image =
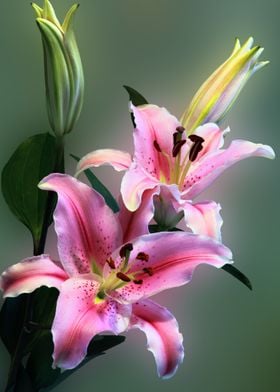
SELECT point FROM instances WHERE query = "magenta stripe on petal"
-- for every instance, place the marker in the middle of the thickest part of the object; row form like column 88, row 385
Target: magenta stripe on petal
column 30, row 274
column 172, row 259
column 87, row 229
column 163, row 337
column 78, row 319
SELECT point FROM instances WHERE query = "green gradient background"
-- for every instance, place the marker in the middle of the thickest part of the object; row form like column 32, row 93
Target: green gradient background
column 165, row 49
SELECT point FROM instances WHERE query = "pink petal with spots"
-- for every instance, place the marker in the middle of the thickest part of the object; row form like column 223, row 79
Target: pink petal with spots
column 134, row 183
column 86, row 227
column 120, row 160
column 206, row 170
column 163, row 337
column 30, row 274
column 78, row 320
column 153, row 124
column 213, row 138
column 136, row 223
column 203, row 218
column 173, row 258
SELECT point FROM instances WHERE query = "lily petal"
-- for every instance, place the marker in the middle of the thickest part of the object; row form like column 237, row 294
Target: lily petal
column 153, row 124
column 136, row 223
column 205, row 171
column 120, row 160
column 30, row 274
column 172, row 259
column 213, row 138
column 163, row 336
column 87, row 229
column 203, row 218
column 134, row 183
column 78, row 320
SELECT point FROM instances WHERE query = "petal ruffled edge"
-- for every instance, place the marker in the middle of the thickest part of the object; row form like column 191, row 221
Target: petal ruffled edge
column 163, row 337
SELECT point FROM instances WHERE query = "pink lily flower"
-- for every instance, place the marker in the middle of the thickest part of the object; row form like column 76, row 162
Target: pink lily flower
column 109, row 267
column 164, row 157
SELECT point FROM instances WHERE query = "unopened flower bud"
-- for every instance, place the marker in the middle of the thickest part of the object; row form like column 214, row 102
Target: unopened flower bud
column 216, row 95
column 64, row 76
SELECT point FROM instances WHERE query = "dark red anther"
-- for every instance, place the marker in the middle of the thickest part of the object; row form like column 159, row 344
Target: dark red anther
column 176, row 138
column 180, row 129
column 176, row 149
column 142, row 256
column 123, row 277
column 127, row 248
column 138, row 281
column 157, row 146
column 148, row 271
column 196, row 147
column 111, row 263
column 196, row 139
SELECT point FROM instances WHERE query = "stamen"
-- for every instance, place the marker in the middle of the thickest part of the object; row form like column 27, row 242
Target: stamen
column 123, row 277
column 126, row 249
column 196, row 147
column 138, row 281
column 177, row 136
column 157, row 146
column 148, row 271
column 177, row 147
column 196, row 139
column 180, row 129
column 142, row 256
column 111, row 263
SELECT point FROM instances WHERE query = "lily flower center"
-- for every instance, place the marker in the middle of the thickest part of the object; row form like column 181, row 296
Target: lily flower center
column 179, row 164
column 120, row 276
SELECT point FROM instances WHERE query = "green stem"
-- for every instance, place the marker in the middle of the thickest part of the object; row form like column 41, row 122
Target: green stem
column 38, row 248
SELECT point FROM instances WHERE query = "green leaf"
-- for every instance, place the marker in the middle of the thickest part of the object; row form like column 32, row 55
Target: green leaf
column 136, row 98
column 33, row 159
column 238, row 275
column 23, row 382
column 100, row 188
column 12, row 316
column 39, row 365
column 157, row 228
column 14, row 320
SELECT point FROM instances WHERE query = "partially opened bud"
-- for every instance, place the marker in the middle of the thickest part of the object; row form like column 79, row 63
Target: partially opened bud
column 64, row 76
column 216, row 95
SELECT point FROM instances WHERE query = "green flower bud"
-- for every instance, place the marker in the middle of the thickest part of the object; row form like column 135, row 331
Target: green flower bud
column 64, row 78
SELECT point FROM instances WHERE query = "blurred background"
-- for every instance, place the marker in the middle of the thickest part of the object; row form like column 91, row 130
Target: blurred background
column 166, row 49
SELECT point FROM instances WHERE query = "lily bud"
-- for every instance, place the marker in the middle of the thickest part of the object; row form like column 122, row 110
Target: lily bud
column 216, row 95
column 64, row 76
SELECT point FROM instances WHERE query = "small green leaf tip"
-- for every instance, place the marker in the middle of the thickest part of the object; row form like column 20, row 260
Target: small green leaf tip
column 135, row 97
column 238, row 275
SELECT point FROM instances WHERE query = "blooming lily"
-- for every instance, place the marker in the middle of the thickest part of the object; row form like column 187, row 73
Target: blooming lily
column 165, row 158
column 109, row 267
column 217, row 94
